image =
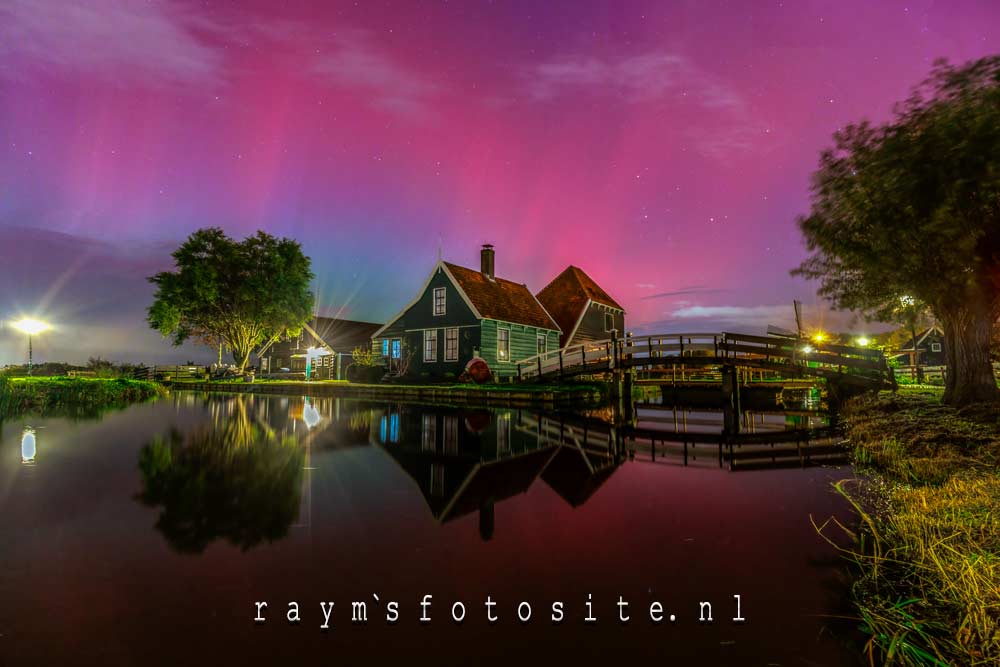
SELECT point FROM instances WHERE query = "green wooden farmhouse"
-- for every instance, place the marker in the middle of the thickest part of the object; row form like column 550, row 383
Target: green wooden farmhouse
column 460, row 314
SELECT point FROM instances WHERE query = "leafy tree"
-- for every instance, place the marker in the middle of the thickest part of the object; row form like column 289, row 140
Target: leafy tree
column 911, row 208
column 245, row 294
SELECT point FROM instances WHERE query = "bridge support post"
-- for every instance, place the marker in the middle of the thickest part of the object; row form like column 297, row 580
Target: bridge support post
column 731, row 396
column 621, row 396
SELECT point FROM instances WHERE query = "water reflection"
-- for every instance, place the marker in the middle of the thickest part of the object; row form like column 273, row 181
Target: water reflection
column 407, row 500
column 28, row 448
column 245, row 476
column 238, row 479
column 468, row 461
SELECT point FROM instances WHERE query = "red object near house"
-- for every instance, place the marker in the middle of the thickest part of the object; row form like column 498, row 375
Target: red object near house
column 478, row 370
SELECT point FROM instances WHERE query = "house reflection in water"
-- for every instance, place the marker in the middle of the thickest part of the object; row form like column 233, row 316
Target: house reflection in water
column 467, row 460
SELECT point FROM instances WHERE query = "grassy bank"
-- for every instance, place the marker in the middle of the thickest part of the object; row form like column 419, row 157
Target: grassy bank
column 928, row 549
column 70, row 396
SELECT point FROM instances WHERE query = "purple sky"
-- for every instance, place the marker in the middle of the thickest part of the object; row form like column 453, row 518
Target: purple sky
column 663, row 147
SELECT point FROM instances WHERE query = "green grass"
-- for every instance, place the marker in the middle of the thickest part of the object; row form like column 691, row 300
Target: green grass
column 78, row 397
column 928, row 549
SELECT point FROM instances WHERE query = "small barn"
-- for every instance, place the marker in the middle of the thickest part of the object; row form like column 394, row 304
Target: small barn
column 929, row 349
column 324, row 346
column 581, row 308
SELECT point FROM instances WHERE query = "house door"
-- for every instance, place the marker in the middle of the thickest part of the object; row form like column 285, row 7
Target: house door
column 395, row 354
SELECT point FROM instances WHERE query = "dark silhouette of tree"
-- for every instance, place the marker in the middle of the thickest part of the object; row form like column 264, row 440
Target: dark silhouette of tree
column 239, row 481
column 911, row 208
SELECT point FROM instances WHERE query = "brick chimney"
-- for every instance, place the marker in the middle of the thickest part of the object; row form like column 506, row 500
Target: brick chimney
column 486, row 256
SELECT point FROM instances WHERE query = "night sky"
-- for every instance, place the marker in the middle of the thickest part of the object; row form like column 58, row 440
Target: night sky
column 664, row 147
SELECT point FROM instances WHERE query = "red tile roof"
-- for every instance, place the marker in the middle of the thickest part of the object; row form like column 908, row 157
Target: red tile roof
column 500, row 299
column 566, row 297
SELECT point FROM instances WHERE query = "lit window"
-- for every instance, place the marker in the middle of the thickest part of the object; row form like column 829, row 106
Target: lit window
column 503, row 344
column 431, row 345
column 451, row 344
column 541, row 344
column 397, row 349
column 385, row 347
column 503, row 434
column 935, row 347
column 439, row 296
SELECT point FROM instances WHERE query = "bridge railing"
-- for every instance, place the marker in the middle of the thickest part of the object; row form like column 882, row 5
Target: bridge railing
column 639, row 348
column 839, row 358
column 654, row 351
column 595, row 355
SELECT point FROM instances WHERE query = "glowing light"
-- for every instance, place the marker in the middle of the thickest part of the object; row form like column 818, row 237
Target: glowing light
column 862, row 341
column 808, row 349
column 310, row 415
column 28, row 448
column 31, row 326
column 819, row 337
column 907, row 300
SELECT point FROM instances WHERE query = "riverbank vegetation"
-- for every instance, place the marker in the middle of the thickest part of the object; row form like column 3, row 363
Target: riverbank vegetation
column 928, row 547
column 70, row 396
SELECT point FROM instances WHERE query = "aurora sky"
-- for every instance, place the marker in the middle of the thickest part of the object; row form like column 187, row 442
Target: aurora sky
column 664, row 147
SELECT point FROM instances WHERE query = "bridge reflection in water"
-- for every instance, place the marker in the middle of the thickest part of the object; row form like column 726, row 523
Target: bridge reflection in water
column 465, row 460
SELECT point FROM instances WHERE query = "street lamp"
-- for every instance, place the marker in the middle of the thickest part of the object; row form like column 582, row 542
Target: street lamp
column 30, row 327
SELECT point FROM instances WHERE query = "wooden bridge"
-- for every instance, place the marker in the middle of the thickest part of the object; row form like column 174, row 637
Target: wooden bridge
column 707, row 354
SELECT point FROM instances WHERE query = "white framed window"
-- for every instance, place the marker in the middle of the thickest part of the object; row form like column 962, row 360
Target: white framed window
column 541, row 344
column 385, row 347
column 609, row 321
column 437, row 480
column 503, row 344
column 451, row 435
column 935, row 347
column 439, row 300
column 431, row 345
column 451, row 344
column 428, row 439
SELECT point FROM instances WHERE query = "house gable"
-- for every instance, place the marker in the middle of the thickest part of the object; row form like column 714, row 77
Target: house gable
column 579, row 305
column 418, row 313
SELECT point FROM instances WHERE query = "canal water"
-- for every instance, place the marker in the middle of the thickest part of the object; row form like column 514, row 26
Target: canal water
column 149, row 535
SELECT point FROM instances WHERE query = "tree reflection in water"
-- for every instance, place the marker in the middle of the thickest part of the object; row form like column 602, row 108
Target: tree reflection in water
column 237, row 479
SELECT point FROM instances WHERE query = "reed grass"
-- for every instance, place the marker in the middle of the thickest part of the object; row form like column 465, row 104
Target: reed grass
column 70, row 396
column 927, row 550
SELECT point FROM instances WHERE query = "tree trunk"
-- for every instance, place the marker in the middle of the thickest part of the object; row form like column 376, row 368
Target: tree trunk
column 969, row 377
column 241, row 356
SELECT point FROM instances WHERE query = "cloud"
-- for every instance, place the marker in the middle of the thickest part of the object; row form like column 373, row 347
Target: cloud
column 124, row 43
column 684, row 291
column 749, row 315
column 357, row 63
column 640, row 78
